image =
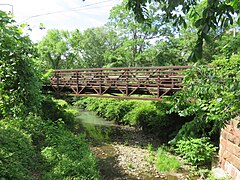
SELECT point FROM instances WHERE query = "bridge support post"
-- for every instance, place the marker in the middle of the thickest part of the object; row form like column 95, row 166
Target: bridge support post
column 77, row 83
column 100, row 83
column 158, row 81
column 127, row 81
column 58, row 86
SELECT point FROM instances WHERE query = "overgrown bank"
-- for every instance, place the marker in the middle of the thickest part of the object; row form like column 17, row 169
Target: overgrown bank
column 150, row 116
column 35, row 131
column 37, row 148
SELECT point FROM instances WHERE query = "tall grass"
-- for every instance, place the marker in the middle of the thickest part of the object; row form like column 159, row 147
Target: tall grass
column 165, row 163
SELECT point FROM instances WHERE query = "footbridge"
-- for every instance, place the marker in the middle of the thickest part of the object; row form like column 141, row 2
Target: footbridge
column 147, row 83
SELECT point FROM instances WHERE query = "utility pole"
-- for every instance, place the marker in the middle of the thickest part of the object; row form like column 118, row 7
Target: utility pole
column 8, row 5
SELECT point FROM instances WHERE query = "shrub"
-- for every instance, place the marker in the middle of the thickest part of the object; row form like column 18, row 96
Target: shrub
column 142, row 115
column 81, row 102
column 17, row 156
column 153, row 117
column 54, row 109
column 116, row 110
column 165, row 163
column 32, row 125
column 98, row 105
column 198, row 151
column 68, row 155
column 59, row 153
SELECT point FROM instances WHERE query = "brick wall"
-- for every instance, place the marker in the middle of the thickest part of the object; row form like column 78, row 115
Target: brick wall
column 229, row 152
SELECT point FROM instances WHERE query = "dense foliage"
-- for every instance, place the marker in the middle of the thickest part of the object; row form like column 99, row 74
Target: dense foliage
column 211, row 94
column 19, row 80
column 68, row 156
column 45, row 148
column 198, row 151
column 36, row 142
column 214, row 15
column 17, row 155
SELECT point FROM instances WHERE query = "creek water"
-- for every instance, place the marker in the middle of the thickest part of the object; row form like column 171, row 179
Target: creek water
column 97, row 129
column 87, row 117
column 103, row 136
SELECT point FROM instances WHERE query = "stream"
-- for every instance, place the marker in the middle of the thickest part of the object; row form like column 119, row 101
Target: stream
column 121, row 151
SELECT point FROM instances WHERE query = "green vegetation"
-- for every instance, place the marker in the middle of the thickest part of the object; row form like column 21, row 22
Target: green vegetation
column 36, row 141
column 151, row 117
column 212, row 97
column 67, row 155
column 17, row 155
column 55, row 109
column 151, row 154
column 44, row 148
column 196, row 151
column 206, row 17
column 19, row 78
column 37, row 131
column 166, row 163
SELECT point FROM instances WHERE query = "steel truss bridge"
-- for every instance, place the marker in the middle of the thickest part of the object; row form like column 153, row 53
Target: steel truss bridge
column 146, row 83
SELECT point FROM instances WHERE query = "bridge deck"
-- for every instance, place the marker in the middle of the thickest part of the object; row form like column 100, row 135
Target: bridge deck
column 118, row 82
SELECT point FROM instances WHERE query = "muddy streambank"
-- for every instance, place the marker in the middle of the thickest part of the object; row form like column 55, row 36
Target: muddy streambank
column 123, row 152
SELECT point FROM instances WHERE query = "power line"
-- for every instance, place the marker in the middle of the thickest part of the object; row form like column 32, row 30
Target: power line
column 71, row 9
column 8, row 5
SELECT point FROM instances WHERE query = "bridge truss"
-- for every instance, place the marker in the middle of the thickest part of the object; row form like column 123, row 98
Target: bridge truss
column 152, row 82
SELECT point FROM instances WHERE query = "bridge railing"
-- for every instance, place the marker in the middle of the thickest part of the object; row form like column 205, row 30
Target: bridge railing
column 156, row 81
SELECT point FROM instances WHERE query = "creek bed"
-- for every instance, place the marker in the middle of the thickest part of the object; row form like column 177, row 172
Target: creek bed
column 121, row 151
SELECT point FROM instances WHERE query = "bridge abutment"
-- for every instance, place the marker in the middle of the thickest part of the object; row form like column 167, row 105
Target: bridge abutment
column 229, row 152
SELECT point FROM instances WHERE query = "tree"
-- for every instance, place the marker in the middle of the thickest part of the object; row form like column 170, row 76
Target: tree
column 19, row 80
column 137, row 37
column 211, row 96
column 92, row 47
column 215, row 14
column 54, row 49
column 229, row 43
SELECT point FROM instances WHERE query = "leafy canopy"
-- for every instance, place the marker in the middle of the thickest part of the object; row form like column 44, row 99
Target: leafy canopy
column 211, row 95
column 215, row 14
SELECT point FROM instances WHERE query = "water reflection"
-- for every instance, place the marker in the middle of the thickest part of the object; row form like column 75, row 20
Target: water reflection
column 96, row 128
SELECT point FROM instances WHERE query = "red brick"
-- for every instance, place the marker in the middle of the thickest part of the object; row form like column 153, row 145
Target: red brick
column 236, row 150
column 229, row 128
column 223, row 142
column 229, row 152
column 230, row 137
column 236, row 132
column 232, row 148
column 235, row 161
column 227, row 155
column 222, row 162
column 234, row 123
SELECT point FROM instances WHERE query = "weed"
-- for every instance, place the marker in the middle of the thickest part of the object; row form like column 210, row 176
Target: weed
column 151, row 153
column 130, row 165
column 165, row 162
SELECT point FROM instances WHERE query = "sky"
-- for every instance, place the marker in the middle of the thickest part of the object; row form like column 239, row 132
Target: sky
column 59, row 14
